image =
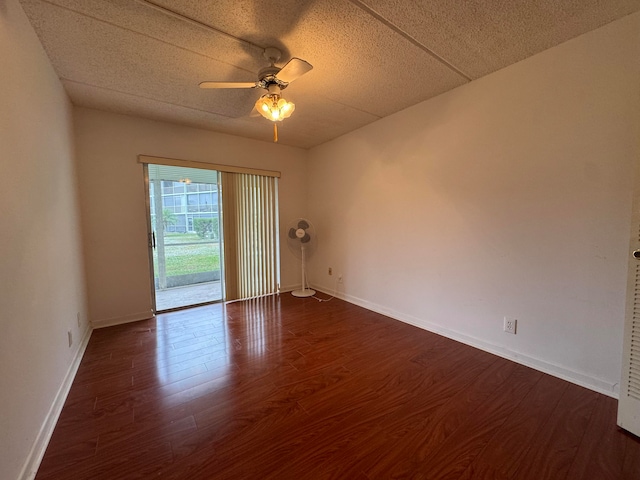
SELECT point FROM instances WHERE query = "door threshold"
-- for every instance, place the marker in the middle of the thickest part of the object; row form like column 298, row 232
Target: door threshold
column 185, row 307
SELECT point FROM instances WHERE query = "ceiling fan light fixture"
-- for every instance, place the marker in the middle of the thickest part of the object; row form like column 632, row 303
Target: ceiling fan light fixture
column 274, row 107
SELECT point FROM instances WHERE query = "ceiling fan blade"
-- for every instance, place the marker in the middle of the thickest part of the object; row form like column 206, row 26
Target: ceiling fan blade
column 293, row 69
column 303, row 224
column 306, row 238
column 292, row 233
column 228, row 85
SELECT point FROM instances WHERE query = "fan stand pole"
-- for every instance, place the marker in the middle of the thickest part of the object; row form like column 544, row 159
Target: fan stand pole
column 304, row 292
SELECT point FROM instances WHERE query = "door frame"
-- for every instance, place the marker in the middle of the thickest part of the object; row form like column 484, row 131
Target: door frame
column 151, row 240
column 152, row 243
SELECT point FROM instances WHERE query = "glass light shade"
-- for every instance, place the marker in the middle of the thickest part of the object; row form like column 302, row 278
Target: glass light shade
column 273, row 107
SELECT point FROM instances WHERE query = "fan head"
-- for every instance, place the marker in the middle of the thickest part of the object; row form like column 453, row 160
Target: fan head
column 301, row 235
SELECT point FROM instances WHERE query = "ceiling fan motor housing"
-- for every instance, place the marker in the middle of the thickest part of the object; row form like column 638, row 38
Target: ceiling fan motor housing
column 267, row 77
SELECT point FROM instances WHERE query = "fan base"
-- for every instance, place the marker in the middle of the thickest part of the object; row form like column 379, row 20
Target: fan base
column 307, row 292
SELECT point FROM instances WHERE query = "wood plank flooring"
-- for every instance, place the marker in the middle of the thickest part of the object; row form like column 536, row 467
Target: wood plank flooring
column 291, row 388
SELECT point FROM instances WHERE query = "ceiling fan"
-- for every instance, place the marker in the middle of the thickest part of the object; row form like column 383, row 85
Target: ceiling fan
column 271, row 105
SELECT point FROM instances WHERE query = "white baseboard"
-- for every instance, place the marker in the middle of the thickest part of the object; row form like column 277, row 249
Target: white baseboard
column 578, row 378
column 39, row 446
column 110, row 322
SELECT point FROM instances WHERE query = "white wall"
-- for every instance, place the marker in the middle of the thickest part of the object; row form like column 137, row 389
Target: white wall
column 41, row 272
column 113, row 199
column 508, row 196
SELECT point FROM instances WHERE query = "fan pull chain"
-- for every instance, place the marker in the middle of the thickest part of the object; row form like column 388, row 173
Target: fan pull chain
column 275, row 133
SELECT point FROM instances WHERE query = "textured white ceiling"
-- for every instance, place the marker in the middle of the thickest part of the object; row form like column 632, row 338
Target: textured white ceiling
column 371, row 58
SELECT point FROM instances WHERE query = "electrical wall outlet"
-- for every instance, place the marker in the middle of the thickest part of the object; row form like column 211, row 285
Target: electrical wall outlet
column 70, row 337
column 510, row 325
column 330, row 271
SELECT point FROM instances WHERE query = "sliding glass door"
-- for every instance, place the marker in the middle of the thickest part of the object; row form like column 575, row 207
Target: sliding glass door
column 185, row 236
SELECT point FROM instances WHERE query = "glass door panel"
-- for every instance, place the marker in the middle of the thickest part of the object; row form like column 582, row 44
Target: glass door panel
column 185, row 231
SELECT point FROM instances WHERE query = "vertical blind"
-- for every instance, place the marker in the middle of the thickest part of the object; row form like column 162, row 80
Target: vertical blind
column 250, row 230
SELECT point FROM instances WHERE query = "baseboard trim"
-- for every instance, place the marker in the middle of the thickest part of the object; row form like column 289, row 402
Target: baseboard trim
column 41, row 442
column 578, row 378
column 110, row 322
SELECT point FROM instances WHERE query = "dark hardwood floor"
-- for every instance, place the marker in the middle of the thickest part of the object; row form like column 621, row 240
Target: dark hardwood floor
column 290, row 388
